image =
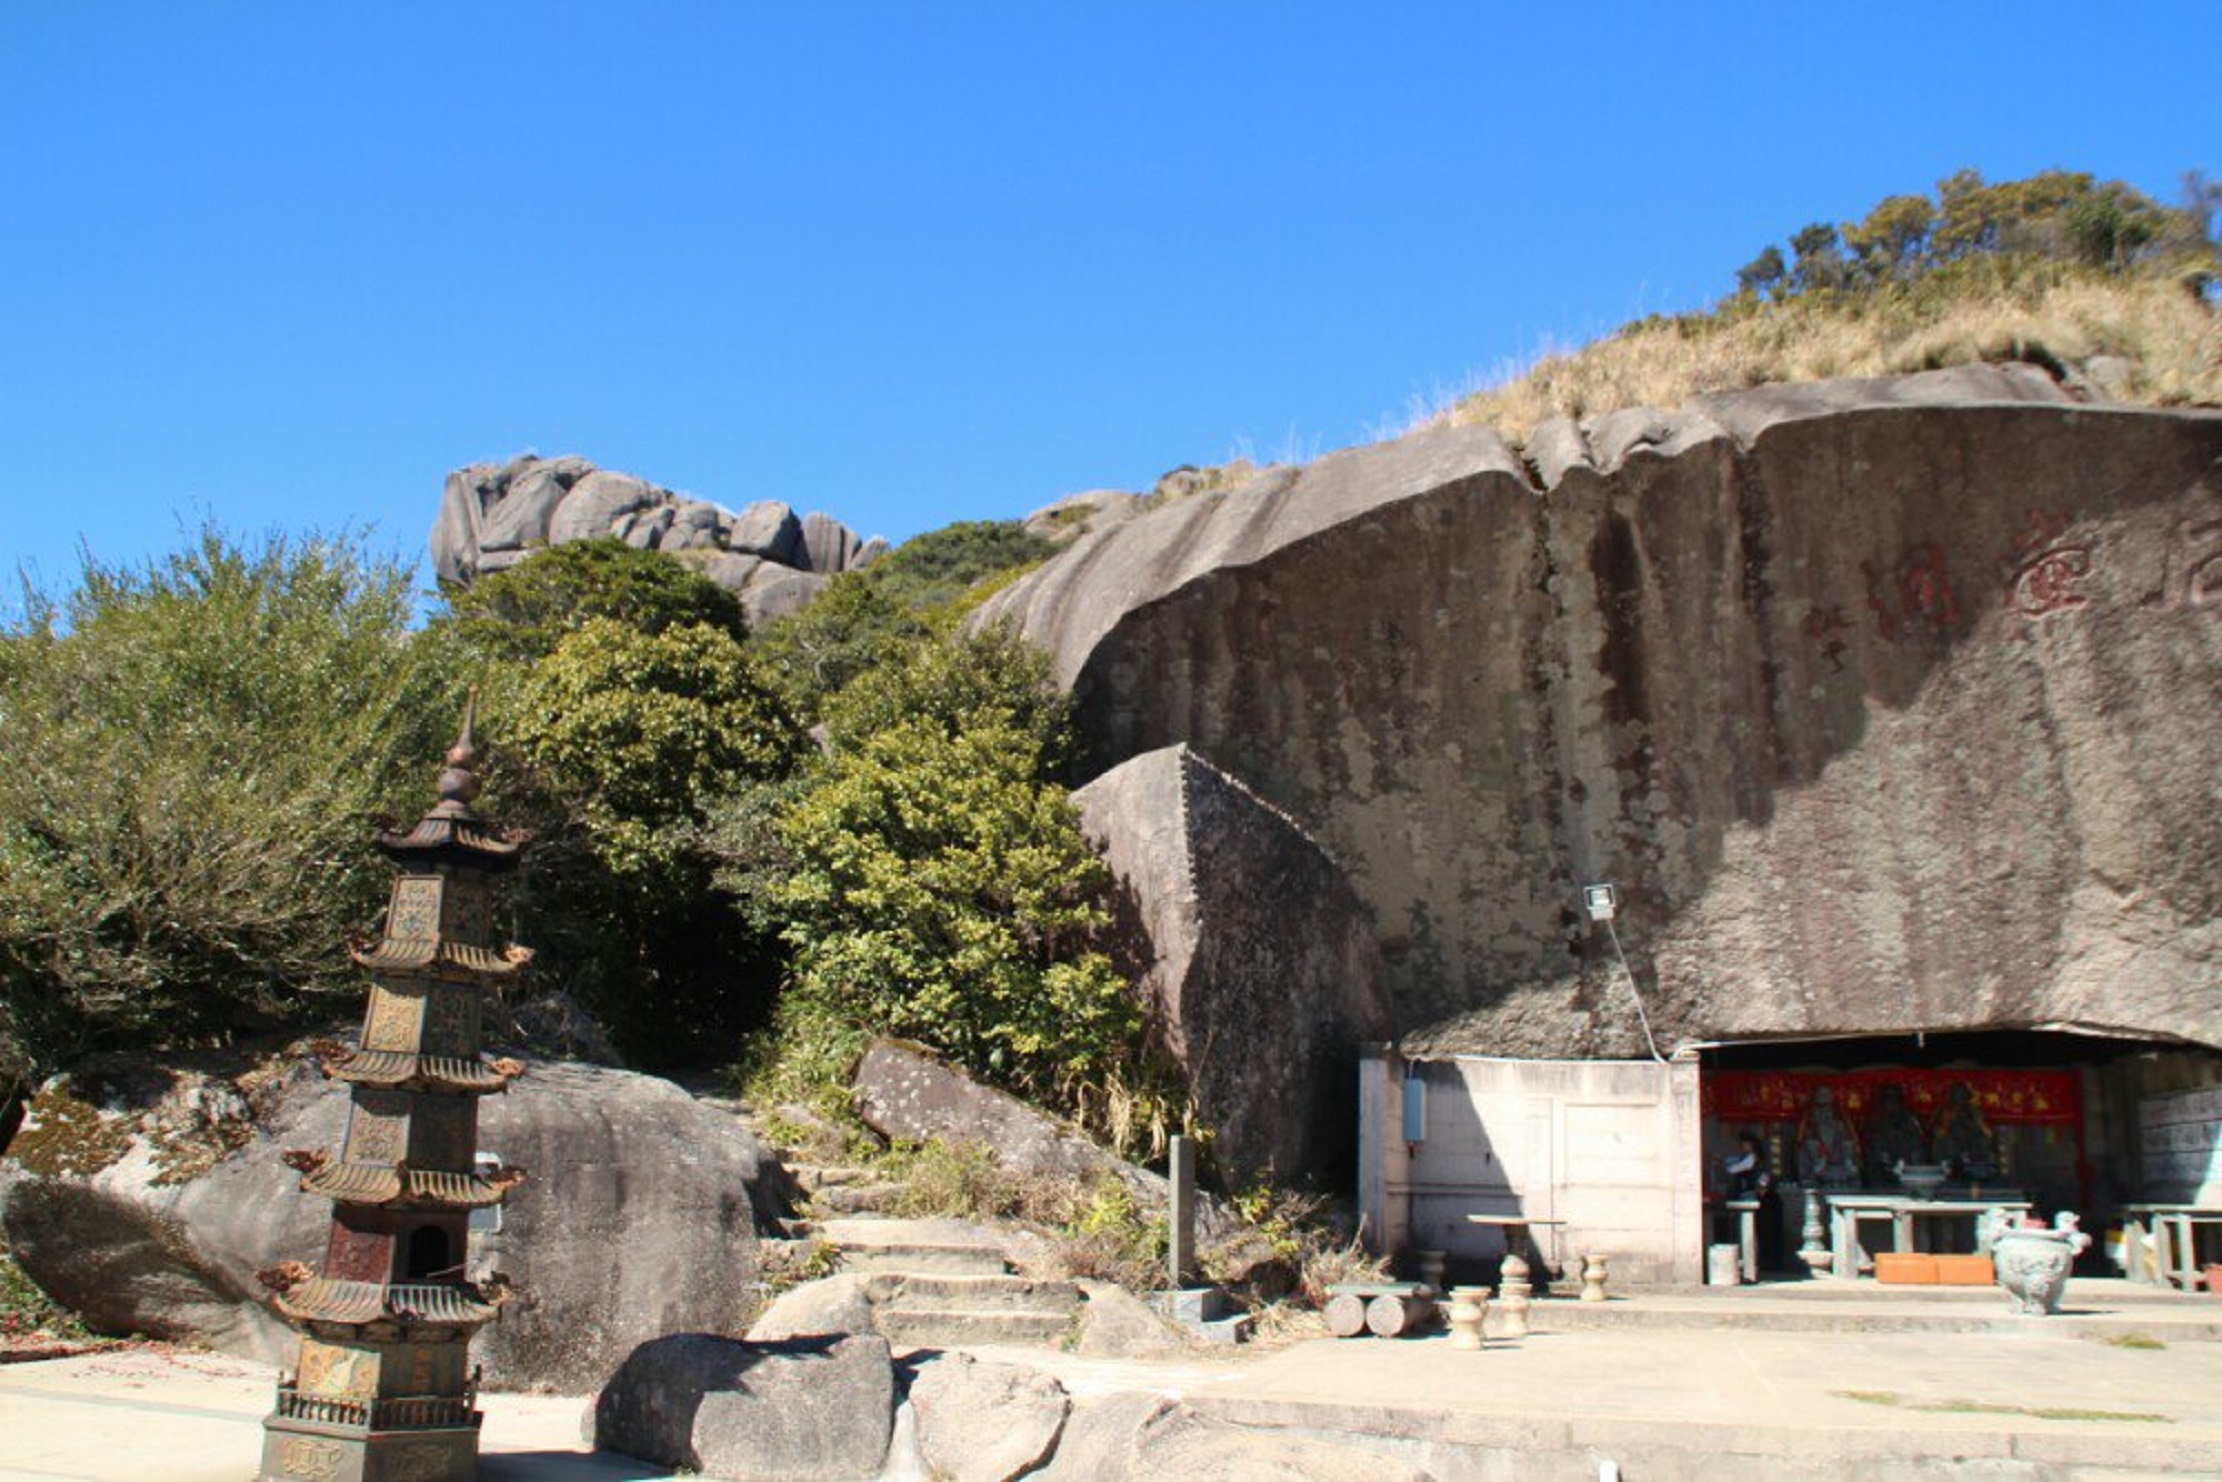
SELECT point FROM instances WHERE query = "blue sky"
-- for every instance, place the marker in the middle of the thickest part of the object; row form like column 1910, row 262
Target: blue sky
column 285, row 265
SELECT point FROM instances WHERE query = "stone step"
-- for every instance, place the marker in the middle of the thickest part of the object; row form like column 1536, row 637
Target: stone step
column 932, row 1327
column 845, row 1199
column 810, row 1177
column 940, row 1291
column 946, row 1247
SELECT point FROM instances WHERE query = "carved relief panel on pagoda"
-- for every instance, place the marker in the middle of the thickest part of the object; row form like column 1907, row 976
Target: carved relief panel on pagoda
column 361, row 1245
column 378, row 1127
column 395, row 1019
column 451, row 1021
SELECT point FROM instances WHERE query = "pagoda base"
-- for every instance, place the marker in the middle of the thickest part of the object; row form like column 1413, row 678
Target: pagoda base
column 312, row 1451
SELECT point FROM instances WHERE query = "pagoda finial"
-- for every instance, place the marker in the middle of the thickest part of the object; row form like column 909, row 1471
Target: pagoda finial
column 459, row 783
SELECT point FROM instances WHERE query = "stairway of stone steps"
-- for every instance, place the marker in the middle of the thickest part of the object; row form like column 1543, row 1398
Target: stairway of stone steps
column 933, row 1283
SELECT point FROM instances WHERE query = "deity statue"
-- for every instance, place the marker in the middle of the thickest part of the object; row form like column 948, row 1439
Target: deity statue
column 1893, row 1138
column 1828, row 1153
column 1963, row 1142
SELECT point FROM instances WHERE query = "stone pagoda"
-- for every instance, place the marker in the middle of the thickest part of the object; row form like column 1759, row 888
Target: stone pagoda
column 385, row 1388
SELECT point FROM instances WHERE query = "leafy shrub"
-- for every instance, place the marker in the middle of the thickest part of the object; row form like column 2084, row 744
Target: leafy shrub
column 626, row 742
column 935, row 569
column 936, row 886
column 521, row 614
column 199, row 748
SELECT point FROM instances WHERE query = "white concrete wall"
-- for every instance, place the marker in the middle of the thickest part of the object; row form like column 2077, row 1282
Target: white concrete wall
column 1609, row 1146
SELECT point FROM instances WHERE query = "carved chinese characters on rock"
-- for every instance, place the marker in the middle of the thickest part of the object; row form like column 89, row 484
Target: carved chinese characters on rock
column 310, row 1461
column 1916, row 593
column 2191, row 568
column 2044, row 575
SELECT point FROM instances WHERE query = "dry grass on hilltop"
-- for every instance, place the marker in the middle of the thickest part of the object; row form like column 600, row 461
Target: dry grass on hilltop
column 2157, row 343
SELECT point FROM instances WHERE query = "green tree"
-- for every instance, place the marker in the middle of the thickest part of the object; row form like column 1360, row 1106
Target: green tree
column 626, row 742
column 939, row 567
column 521, row 614
column 1820, row 258
column 198, row 751
column 1764, row 273
column 936, row 885
column 940, row 890
column 1890, row 240
column 968, row 679
column 851, row 628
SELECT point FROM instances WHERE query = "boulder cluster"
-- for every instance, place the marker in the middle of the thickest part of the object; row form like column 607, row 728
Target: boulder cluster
column 493, row 515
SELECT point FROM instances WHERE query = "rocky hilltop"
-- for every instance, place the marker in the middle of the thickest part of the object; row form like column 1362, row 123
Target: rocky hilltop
column 493, row 515
column 1887, row 705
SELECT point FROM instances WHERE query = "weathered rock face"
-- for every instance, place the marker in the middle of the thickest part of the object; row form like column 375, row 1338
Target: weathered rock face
column 985, row 1422
column 810, row 1410
column 636, row 1219
column 1887, row 705
column 493, row 515
column 1255, row 955
column 905, row 1094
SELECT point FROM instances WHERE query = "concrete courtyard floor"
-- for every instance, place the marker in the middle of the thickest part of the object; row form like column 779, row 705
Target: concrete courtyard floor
column 1645, row 1378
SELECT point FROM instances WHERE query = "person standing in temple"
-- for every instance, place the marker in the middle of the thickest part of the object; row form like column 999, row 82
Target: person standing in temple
column 1750, row 1177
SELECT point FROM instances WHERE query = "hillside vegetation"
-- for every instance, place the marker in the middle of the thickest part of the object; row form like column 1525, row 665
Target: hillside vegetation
column 2093, row 280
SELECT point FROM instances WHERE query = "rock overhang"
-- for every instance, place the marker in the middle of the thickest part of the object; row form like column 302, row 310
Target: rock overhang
column 1703, row 652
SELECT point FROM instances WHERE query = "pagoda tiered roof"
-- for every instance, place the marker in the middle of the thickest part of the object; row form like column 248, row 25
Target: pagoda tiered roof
column 399, row 1184
column 402, row 1070
column 328, row 1299
column 440, row 957
column 456, row 834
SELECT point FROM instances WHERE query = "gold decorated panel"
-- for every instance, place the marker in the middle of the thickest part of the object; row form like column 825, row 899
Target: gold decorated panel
column 394, row 1020
column 416, row 908
column 378, row 1128
column 336, row 1371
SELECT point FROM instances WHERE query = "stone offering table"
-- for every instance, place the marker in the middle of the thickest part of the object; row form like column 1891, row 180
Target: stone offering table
column 1848, row 1209
column 2173, row 1228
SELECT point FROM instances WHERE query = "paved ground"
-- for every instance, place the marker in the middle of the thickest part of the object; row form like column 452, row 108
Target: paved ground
column 2040, row 1392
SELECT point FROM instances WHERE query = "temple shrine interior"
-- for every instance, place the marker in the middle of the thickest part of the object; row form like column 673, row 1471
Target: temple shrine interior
column 2063, row 1121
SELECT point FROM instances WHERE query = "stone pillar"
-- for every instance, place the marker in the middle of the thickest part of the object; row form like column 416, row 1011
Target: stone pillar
column 1381, row 1153
column 1180, row 1240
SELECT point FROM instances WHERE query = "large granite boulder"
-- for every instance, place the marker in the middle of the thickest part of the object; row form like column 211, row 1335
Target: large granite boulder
column 1256, row 957
column 147, row 1199
column 808, row 1410
column 494, row 515
column 984, row 1422
column 1887, row 705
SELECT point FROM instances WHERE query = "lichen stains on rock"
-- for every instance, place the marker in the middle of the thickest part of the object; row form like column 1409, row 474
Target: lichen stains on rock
column 66, row 1136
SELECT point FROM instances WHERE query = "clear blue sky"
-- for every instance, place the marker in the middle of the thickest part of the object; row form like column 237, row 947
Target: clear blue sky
column 286, row 264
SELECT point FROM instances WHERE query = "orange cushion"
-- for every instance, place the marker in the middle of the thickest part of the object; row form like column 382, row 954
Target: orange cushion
column 1963, row 1270
column 1905, row 1268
